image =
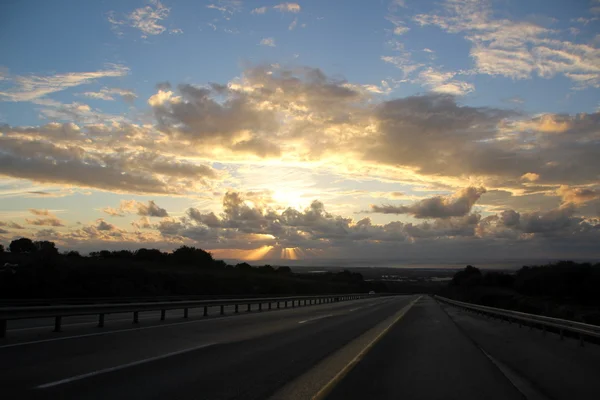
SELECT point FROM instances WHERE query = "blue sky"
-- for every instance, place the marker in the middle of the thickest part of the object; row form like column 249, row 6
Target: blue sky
column 413, row 124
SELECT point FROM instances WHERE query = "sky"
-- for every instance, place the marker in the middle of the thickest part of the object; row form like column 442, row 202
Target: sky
column 402, row 131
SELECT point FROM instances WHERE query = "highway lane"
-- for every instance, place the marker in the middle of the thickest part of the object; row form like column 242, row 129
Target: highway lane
column 247, row 356
column 425, row 356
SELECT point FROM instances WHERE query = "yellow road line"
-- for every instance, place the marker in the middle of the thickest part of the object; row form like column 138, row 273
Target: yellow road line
column 325, row 390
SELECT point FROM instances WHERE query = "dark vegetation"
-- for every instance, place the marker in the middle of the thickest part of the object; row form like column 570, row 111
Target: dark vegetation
column 566, row 290
column 37, row 270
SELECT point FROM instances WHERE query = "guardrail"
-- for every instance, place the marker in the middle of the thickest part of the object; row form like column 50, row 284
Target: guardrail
column 59, row 311
column 113, row 300
column 545, row 323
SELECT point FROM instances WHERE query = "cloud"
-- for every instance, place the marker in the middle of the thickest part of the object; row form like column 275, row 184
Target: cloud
column 148, row 20
column 457, row 205
column 443, row 82
column 11, row 225
column 267, row 42
column 293, row 24
column 113, row 212
column 98, row 156
column 51, row 221
column 108, row 94
column 287, row 7
column 151, row 210
column 514, row 49
column 44, row 213
column 142, row 223
column 147, row 210
column 227, row 7
column 32, row 87
column 105, row 226
column 259, row 10
column 401, row 30
column 577, row 196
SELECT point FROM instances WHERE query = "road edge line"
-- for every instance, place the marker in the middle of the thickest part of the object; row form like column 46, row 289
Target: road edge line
column 122, row 366
column 325, row 390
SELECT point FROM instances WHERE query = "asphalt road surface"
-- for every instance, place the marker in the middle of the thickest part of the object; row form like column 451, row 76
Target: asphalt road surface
column 247, row 356
column 378, row 348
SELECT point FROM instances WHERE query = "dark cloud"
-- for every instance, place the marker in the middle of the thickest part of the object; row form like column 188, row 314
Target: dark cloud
column 457, row 205
column 51, row 221
column 151, row 210
column 11, row 225
column 197, row 116
column 105, row 226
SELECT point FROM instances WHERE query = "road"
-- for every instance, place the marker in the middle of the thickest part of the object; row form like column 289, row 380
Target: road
column 376, row 348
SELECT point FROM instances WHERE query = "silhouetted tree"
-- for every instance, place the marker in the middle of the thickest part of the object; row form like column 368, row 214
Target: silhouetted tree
column 122, row 254
column 284, row 270
column 46, row 247
column 73, row 253
column 244, row 266
column 149, row 255
column 192, row 255
column 469, row 276
column 22, row 245
column 1, row 248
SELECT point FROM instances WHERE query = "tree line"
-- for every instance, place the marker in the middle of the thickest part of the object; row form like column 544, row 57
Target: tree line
column 565, row 289
column 37, row 269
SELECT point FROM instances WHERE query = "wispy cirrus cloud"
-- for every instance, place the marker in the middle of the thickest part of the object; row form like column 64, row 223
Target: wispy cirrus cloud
column 108, row 94
column 282, row 7
column 269, row 41
column 288, row 7
column 35, row 87
column 515, row 49
column 259, row 10
column 444, row 82
column 146, row 19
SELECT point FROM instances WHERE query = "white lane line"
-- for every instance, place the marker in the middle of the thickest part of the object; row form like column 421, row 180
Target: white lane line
column 316, row 318
column 122, row 366
column 354, row 309
column 109, row 332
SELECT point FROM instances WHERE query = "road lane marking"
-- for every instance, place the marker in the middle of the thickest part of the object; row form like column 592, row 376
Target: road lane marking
column 316, row 318
column 122, row 366
column 325, row 390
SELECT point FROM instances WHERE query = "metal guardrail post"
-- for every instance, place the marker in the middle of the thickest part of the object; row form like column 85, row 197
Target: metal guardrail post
column 162, row 314
column 293, row 301
column 205, row 311
column 237, row 308
column 136, row 317
column 185, row 312
column 249, row 307
column 285, row 304
column 278, row 305
column 269, row 305
column 222, row 309
column 259, row 306
column 100, row 320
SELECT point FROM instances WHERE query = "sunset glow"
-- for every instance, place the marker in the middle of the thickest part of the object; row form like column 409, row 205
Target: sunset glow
column 395, row 130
